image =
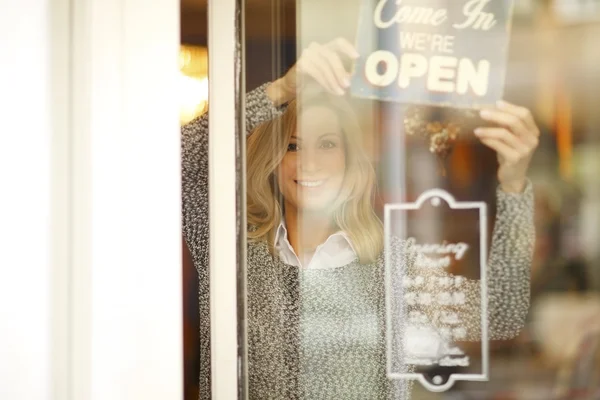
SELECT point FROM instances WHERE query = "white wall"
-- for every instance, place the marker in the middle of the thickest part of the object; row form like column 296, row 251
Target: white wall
column 127, row 67
column 90, row 235
column 25, row 135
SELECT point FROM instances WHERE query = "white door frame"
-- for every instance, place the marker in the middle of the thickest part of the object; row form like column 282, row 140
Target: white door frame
column 30, row 47
column 225, row 124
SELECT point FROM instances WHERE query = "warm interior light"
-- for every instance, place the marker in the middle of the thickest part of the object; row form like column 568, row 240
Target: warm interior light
column 193, row 82
column 193, row 95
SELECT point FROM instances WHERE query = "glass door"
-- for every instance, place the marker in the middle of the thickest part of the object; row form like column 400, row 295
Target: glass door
column 414, row 193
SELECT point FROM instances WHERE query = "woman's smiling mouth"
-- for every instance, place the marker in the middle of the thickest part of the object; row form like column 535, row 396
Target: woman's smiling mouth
column 310, row 184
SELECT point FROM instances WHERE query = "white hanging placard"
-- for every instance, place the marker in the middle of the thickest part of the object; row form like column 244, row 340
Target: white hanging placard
column 436, row 290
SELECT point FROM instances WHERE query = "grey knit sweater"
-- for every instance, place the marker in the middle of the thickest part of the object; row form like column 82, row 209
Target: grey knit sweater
column 320, row 334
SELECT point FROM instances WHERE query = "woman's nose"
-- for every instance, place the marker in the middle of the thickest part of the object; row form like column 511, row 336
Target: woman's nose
column 309, row 161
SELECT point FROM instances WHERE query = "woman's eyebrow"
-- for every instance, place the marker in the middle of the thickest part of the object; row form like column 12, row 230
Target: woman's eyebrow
column 330, row 133
column 294, row 137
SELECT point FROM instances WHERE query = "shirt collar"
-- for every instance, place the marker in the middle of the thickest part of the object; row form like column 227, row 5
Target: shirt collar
column 281, row 234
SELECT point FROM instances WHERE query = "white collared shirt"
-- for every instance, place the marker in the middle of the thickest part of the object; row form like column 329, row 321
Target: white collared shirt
column 335, row 252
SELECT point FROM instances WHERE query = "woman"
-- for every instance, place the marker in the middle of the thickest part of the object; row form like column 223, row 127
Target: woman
column 315, row 269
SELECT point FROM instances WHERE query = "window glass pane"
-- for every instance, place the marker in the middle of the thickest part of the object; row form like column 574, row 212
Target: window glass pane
column 401, row 243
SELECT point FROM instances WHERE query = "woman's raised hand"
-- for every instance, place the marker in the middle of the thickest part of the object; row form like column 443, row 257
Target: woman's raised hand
column 514, row 139
column 322, row 63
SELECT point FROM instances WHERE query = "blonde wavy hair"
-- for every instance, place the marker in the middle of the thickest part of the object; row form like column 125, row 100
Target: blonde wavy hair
column 352, row 211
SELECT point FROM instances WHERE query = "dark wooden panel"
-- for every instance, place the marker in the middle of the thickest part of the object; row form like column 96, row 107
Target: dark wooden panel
column 260, row 23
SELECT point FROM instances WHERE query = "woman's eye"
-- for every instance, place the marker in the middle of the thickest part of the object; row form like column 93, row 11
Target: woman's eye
column 292, row 147
column 328, row 144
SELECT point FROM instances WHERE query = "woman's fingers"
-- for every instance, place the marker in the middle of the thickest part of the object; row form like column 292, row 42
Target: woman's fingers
column 323, row 63
column 519, row 147
column 335, row 64
column 322, row 74
column 504, row 151
column 514, row 139
column 521, row 112
column 517, row 119
column 507, row 120
column 502, row 135
column 343, row 46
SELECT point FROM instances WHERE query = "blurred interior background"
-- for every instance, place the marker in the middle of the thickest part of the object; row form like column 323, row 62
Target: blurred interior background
column 553, row 69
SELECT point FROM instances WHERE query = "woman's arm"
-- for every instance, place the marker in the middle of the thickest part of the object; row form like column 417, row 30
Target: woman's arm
column 508, row 277
column 260, row 107
column 508, row 270
column 514, row 137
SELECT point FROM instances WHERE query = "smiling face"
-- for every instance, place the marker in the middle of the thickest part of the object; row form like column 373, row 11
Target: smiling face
column 312, row 171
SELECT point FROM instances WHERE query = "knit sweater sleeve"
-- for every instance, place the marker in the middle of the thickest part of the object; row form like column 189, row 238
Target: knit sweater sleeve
column 508, row 270
column 508, row 276
column 194, row 171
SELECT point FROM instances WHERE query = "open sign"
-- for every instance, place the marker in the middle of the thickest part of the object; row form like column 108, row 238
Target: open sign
column 437, row 52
